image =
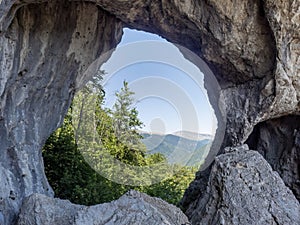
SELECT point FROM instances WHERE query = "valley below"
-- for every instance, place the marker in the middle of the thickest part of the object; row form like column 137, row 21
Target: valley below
column 183, row 147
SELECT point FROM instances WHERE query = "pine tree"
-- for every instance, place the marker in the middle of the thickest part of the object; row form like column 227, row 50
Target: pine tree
column 126, row 125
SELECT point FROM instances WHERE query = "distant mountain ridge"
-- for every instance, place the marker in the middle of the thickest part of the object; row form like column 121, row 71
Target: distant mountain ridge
column 186, row 148
column 193, row 135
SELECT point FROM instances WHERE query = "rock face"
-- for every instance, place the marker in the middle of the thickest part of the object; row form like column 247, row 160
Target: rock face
column 131, row 208
column 44, row 54
column 278, row 140
column 252, row 46
column 243, row 189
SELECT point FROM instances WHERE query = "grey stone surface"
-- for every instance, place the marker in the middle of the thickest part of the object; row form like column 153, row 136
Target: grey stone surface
column 132, row 208
column 278, row 141
column 243, row 189
column 43, row 57
column 252, row 46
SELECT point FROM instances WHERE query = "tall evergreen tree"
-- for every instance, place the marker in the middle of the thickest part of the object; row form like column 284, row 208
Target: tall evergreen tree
column 125, row 116
column 126, row 124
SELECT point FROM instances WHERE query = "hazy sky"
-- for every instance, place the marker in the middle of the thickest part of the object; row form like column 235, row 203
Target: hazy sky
column 169, row 90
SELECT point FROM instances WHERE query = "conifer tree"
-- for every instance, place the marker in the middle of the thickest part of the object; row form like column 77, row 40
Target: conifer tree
column 126, row 125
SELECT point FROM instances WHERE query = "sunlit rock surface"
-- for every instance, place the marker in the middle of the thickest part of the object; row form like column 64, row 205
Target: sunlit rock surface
column 243, row 189
column 252, row 46
column 43, row 58
column 131, row 208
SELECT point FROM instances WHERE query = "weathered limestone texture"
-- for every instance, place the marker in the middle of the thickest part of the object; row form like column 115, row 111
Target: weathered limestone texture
column 252, row 46
column 278, row 141
column 131, row 208
column 46, row 48
column 243, row 189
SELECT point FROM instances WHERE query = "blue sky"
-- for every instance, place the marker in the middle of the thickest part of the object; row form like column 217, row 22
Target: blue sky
column 169, row 90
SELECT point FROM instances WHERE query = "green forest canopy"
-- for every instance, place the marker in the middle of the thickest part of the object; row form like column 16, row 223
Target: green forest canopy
column 71, row 176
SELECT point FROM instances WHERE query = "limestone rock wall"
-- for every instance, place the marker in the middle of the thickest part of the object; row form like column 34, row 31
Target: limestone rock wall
column 284, row 18
column 131, row 208
column 278, row 141
column 252, row 46
column 243, row 189
column 44, row 52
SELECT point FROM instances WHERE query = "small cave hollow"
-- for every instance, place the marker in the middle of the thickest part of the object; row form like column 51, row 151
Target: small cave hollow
column 278, row 140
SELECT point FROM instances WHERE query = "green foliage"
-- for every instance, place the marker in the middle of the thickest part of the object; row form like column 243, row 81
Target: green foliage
column 172, row 189
column 72, row 178
column 117, row 129
column 68, row 173
column 126, row 122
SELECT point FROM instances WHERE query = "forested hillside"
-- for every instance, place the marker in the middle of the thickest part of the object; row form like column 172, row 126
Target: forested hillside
column 178, row 149
column 73, row 178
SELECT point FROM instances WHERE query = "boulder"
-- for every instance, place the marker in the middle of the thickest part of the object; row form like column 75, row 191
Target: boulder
column 132, row 208
column 243, row 189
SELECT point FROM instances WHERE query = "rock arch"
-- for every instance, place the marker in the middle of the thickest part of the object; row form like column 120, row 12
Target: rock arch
column 252, row 47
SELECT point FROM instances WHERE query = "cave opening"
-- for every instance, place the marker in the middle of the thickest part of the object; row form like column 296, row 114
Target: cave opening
column 170, row 109
column 169, row 92
column 278, row 141
column 48, row 46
